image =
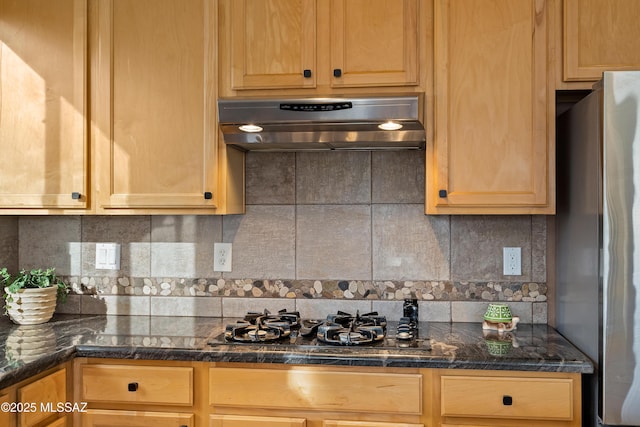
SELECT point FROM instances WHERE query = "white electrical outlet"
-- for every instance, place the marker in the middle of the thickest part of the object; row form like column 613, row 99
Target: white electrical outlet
column 107, row 256
column 512, row 261
column 222, row 257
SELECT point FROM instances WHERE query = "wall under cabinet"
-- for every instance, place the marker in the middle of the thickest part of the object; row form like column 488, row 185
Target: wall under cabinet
column 323, row 231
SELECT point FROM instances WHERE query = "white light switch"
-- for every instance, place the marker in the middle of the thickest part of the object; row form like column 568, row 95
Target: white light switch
column 107, row 256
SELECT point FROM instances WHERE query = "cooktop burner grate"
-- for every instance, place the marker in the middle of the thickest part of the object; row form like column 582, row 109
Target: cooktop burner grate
column 263, row 327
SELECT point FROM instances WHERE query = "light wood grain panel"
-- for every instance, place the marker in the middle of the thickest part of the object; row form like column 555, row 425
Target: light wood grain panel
column 43, row 125
column 60, row 422
column 272, row 43
column 7, row 418
column 156, row 106
column 493, row 148
column 155, row 384
column 319, row 390
column 250, row 421
column 374, row 42
column 600, row 36
column 50, row 389
column 332, row 423
column 483, row 397
column 107, row 418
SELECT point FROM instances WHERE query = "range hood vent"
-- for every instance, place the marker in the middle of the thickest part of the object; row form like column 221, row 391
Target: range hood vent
column 322, row 123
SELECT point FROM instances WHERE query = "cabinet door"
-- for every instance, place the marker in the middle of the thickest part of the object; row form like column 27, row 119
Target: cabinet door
column 374, row 42
column 108, row 418
column 43, row 131
column 155, row 110
column 600, row 36
column 272, row 43
column 49, row 390
column 7, row 418
column 493, row 144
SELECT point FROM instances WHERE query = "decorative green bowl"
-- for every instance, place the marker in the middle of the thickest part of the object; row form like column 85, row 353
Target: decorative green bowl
column 498, row 313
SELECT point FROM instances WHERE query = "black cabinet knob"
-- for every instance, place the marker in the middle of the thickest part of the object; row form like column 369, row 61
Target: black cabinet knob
column 208, row 195
column 507, row 400
column 132, row 387
column 442, row 194
column 337, row 72
column 75, row 195
column 306, row 74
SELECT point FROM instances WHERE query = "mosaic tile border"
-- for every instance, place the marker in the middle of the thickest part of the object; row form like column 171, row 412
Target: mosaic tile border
column 311, row 289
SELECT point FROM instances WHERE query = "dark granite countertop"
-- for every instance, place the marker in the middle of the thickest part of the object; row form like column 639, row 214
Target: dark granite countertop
column 27, row 350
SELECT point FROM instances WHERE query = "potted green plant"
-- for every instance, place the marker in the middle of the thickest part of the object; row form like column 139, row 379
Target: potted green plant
column 31, row 295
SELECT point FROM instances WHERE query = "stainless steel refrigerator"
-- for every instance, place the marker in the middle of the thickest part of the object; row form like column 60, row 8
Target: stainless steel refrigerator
column 598, row 243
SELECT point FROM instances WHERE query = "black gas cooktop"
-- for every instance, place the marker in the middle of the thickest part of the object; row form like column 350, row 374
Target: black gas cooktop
column 288, row 329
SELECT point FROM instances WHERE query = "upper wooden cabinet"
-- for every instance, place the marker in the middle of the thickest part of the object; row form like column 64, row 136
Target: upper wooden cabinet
column 155, row 106
column 156, row 141
column 43, row 109
column 308, row 44
column 598, row 36
column 493, row 148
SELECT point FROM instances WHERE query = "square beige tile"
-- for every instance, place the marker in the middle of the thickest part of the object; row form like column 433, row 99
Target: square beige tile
column 321, row 308
column 182, row 245
column 270, row 178
column 333, row 242
column 263, row 242
column 333, row 177
column 50, row 241
column 408, row 245
column 186, row 306
column 133, row 233
column 477, row 244
column 397, row 176
column 238, row 307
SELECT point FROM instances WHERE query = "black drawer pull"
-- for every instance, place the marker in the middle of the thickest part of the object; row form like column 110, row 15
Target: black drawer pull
column 442, row 194
column 306, row 74
column 132, row 386
column 337, row 72
column 75, row 195
column 208, row 195
column 507, row 400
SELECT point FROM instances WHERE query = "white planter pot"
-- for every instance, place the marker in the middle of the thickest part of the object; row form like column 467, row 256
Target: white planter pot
column 32, row 306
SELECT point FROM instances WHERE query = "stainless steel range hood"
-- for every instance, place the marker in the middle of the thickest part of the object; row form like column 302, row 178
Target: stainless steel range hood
column 322, row 123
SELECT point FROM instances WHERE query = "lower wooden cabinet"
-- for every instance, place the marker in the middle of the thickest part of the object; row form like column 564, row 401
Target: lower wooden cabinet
column 138, row 393
column 51, row 389
column 38, row 401
column 316, row 396
column 135, row 393
column 7, row 418
column 504, row 398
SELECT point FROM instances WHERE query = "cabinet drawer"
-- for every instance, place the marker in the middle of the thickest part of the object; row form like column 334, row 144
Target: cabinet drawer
column 313, row 389
column 51, row 389
column 245, row 421
column 107, row 418
column 332, row 423
column 507, row 397
column 137, row 384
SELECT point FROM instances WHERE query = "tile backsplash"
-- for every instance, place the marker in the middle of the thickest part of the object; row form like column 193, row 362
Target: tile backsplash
column 321, row 230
